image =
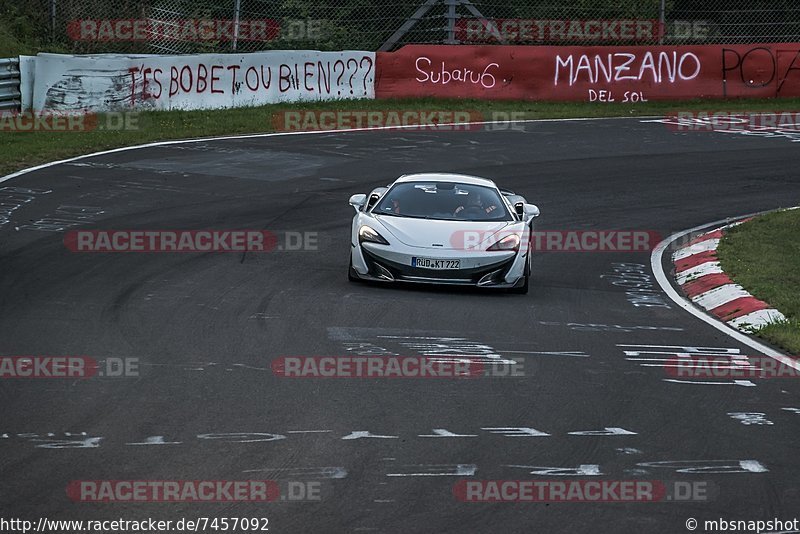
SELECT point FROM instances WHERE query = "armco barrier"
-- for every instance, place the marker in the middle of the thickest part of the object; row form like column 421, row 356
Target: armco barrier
column 601, row 74
column 9, row 84
column 109, row 82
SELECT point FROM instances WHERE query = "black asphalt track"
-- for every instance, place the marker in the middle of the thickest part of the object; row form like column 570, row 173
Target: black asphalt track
column 206, row 328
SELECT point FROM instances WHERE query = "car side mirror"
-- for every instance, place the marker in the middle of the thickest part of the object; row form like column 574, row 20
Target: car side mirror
column 530, row 211
column 357, row 201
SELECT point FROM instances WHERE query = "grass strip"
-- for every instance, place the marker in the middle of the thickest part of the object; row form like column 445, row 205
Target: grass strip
column 763, row 256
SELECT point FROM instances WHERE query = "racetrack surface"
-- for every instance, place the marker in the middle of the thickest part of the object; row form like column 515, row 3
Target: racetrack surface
column 206, row 328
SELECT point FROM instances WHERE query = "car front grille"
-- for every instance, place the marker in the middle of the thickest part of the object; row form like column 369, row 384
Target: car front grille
column 455, row 276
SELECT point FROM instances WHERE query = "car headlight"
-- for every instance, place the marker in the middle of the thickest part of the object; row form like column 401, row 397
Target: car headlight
column 367, row 234
column 509, row 242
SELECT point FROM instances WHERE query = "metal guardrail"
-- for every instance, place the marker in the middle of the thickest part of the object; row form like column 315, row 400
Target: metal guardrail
column 10, row 96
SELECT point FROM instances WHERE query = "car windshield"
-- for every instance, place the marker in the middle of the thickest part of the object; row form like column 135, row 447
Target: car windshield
column 447, row 201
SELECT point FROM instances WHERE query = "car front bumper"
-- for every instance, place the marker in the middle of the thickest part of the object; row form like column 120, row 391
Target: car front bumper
column 481, row 269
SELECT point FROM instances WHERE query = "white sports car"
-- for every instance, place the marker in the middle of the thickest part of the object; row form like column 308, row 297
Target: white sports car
column 442, row 229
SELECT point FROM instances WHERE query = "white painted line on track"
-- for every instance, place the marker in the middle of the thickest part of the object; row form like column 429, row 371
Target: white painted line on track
column 460, row 470
column 722, row 350
column 656, row 258
column 576, row 354
column 745, row 383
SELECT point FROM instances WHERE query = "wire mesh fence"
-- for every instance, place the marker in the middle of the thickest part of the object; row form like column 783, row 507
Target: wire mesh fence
column 196, row 26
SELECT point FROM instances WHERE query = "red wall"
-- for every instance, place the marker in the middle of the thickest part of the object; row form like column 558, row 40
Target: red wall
column 580, row 73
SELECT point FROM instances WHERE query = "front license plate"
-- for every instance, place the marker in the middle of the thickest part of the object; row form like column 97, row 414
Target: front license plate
column 429, row 263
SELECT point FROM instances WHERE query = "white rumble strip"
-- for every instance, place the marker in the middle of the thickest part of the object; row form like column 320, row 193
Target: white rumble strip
column 746, row 314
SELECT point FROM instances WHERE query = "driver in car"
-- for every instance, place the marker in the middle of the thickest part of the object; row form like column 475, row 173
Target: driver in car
column 474, row 200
